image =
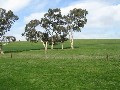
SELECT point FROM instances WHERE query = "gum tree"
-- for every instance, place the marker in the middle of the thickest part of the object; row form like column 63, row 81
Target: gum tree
column 7, row 19
column 75, row 20
column 32, row 34
column 30, row 31
column 61, row 34
column 51, row 22
column 54, row 24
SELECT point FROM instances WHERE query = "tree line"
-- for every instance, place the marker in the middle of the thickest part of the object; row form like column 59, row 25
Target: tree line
column 58, row 28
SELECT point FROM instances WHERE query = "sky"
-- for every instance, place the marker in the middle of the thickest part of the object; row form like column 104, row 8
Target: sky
column 103, row 16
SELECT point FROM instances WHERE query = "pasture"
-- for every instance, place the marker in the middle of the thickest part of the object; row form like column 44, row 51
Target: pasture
column 91, row 65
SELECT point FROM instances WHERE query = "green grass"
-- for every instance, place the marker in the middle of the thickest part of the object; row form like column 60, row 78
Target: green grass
column 86, row 67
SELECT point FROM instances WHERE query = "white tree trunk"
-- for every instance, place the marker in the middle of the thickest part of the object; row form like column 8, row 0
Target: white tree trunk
column 62, row 46
column 72, row 46
column 69, row 37
column 42, row 43
column 52, row 43
column 72, row 40
column 45, row 47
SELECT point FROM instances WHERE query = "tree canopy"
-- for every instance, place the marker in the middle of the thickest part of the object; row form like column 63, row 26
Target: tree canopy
column 75, row 20
column 57, row 26
column 53, row 23
column 7, row 18
column 30, row 30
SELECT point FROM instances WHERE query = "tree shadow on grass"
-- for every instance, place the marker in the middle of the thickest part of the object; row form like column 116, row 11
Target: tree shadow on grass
column 56, row 48
column 65, row 47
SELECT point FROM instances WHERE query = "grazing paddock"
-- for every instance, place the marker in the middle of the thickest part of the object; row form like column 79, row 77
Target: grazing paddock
column 91, row 65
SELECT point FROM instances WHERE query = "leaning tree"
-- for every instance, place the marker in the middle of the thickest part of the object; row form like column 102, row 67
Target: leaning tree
column 7, row 19
column 33, row 35
column 75, row 20
column 30, row 31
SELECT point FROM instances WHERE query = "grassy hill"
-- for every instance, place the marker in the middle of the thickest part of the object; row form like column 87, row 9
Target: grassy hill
column 91, row 65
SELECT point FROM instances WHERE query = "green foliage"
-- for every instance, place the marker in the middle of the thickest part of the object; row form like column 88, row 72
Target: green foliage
column 76, row 19
column 53, row 24
column 45, row 37
column 56, row 25
column 9, row 38
column 84, row 67
column 31, row 33
column 6, row 20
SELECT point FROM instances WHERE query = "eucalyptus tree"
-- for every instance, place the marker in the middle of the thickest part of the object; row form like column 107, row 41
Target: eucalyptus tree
column 31, row 33
column 63, row 38
column 62, row 34
column 75, row 20
column 51, row 22
column 7, row 19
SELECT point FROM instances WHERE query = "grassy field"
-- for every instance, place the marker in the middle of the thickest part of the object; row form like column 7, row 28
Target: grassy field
column 91, row 65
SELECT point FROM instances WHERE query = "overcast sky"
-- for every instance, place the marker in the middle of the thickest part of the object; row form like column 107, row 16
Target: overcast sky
column 103, row 16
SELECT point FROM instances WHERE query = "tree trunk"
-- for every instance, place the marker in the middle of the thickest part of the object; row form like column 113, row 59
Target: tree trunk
column 72, row 47
column 72, row 44
column 45, row 47
column 1, row 52
column 62, row 46
column 43, row 43
column 69, row 37
column 52, row 43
